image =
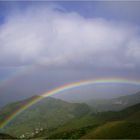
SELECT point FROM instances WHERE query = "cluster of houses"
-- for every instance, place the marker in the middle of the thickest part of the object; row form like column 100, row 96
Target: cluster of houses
column 31, row 134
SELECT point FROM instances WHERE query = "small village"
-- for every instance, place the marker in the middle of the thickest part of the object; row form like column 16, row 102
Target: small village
column 31, row 134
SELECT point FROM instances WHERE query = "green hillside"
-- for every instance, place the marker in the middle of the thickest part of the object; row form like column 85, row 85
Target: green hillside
column 75, row 128
column 115, row 130
column 122, row 124
column 56, row 119
column 49, row 113
column 8, row 109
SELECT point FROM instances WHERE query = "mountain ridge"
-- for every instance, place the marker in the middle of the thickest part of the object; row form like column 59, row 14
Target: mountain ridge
column 114, row 103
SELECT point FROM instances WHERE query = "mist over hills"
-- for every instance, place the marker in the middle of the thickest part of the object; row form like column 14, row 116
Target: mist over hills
column 114, row 103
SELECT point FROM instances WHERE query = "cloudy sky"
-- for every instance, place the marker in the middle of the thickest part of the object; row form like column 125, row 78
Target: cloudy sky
column 47, row 44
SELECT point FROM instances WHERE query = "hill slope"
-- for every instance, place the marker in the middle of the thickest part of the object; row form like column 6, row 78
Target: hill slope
column 49, row 113
column 6, row 136
column 56, row 119
column 122, row 124
column 115, row 130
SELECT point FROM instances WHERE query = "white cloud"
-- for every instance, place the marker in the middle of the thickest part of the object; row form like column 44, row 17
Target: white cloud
column 50, row 37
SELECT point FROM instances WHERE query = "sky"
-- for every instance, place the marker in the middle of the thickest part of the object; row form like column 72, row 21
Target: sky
column 47, row 44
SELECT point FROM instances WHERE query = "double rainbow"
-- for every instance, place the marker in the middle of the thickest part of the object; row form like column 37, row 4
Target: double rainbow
column 64, row 88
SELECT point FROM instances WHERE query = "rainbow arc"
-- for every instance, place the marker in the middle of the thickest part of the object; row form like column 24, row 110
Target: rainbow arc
column 65, row 88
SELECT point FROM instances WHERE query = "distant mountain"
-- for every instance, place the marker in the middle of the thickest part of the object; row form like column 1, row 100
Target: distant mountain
column 115, row 103
column 49, row 113
column 124, row 124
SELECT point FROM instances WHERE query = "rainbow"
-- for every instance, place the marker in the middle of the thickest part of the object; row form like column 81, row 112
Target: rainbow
column 64, row 88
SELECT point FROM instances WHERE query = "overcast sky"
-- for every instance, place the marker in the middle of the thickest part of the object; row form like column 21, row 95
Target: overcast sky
column 47, row 44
